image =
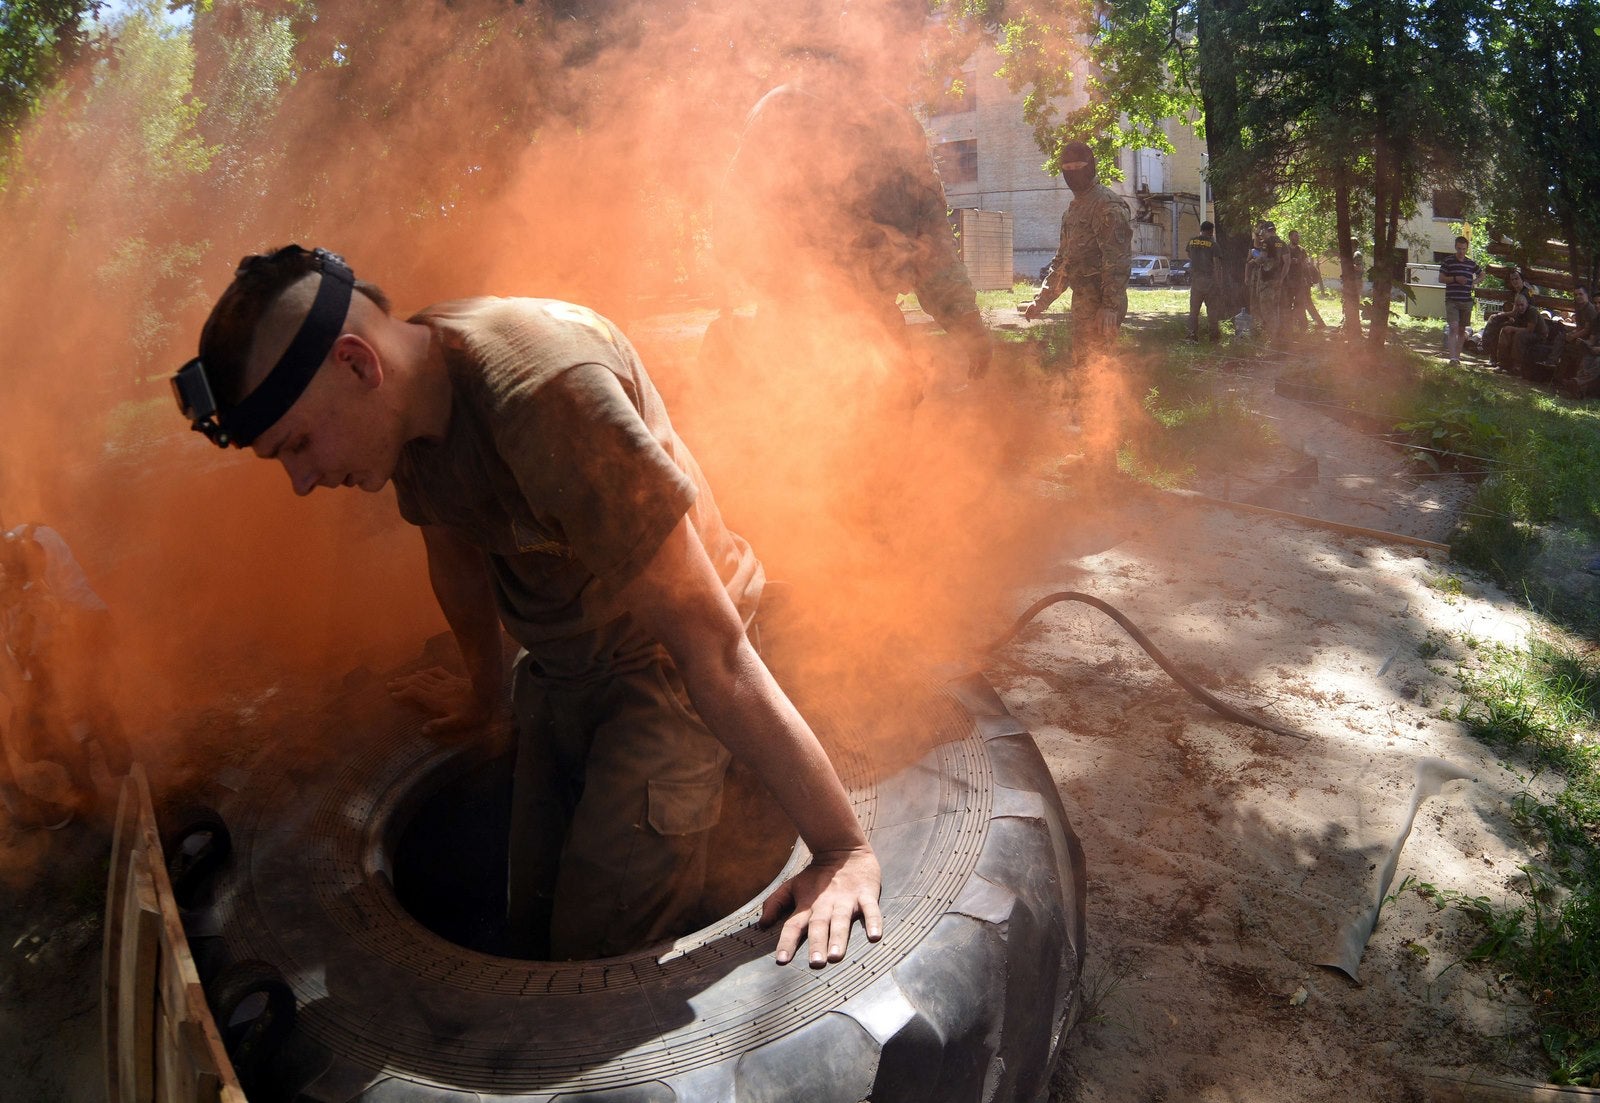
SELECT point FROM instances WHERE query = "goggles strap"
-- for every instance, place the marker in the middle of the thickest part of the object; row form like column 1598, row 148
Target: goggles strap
column 290, row 376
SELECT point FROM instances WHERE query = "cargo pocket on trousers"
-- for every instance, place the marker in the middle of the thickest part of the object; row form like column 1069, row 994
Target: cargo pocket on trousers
column 684, row 807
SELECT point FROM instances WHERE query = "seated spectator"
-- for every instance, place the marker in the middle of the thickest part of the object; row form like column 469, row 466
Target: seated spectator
column 1542, row 360
column 1583, row 344
column 1535, row 350
column 1518, row 333
column 1491, row 329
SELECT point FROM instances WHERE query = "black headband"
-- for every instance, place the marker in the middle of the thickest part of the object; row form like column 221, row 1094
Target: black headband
column 255, row 414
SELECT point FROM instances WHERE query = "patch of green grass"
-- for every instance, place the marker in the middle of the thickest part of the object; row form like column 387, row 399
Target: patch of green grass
column 1201, row 431
column 1542, row 703
column 1549, row 944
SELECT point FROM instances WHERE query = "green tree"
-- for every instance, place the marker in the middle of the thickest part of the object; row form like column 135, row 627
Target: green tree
column 1547, row 164
column 39, row 40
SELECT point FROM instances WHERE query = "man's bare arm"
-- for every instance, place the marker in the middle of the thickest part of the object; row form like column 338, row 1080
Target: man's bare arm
column 679, row 600
column 462, row 584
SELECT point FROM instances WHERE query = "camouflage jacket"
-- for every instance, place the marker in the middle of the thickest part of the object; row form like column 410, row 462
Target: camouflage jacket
column 1096, row 251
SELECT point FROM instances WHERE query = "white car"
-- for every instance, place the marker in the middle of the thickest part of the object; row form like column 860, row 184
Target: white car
column 1150, row 272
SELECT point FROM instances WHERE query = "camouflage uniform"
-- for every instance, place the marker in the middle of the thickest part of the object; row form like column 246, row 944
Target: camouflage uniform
column 1272, row 292
column 1094, row 260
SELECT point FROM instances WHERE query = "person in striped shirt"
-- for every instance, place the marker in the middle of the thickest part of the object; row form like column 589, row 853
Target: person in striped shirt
column 1458, row 274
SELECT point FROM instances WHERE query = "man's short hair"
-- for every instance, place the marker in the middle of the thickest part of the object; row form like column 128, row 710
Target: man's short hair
column 1207, row 227
column 230, row 331
column 1462, row 241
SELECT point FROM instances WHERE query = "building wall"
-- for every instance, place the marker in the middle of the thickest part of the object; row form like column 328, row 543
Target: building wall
column 1009, row 175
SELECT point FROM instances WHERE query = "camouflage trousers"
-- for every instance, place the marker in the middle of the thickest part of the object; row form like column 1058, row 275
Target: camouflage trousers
column 1270, row 304
column 1087, row 339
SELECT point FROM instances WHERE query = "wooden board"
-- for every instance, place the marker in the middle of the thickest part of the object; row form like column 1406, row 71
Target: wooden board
column 161, row 1043
column 984, row 241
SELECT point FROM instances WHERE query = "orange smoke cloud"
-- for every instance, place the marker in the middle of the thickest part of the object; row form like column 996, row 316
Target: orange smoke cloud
column 478, row 148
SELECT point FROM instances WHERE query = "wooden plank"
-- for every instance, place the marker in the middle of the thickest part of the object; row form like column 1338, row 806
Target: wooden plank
column 1550, row 254
column 123, row 837
column 1459, row 1088
column 1544, row 302
column 162, row 1045
column 198, row 1065
column 1539, row 277
column 136, row 978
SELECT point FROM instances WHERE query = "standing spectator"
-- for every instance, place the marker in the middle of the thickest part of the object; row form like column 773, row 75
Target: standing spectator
column 1303, row 276
column 1094, row 259
column 1252, row 272
column 866, row 221
column 1272, row 271
column 1458, row 274
column 1203, row 282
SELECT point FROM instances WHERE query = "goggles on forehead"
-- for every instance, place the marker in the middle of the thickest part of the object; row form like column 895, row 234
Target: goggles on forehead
column 242, row 423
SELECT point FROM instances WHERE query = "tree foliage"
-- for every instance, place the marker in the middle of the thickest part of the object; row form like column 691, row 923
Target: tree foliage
column 1547, row 163
column 39, row 39
column 1359, row 106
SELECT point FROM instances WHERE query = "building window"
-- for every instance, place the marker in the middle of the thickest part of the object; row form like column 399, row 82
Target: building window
column 958, row 161
column 1451, row 204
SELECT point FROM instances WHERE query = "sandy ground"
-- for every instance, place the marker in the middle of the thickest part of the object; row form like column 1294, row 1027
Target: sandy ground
column 1223, row 859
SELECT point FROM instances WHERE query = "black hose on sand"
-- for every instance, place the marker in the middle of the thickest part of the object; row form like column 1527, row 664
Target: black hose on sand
column 1198, row 692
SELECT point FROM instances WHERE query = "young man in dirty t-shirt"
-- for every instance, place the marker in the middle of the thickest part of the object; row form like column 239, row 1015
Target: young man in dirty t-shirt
column 526, row 440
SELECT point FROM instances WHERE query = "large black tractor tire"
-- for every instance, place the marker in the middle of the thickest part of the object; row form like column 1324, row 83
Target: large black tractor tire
column 967, row 997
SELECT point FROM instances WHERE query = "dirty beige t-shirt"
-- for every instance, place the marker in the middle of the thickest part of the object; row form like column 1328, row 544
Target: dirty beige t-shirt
column 568, row 483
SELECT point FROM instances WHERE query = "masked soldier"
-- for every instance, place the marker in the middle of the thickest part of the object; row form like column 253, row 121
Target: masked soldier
column 1094, row 259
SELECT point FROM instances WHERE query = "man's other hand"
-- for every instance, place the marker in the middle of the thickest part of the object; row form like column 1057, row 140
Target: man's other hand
column 1108, row 321
column 826, row 897
column 1031, row 310
column 975, row 342
column 450, row 700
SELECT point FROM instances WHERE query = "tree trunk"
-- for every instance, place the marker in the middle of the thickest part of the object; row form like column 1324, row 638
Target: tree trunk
column 1219, row 100
column 1350, row 275
column 1384, row 201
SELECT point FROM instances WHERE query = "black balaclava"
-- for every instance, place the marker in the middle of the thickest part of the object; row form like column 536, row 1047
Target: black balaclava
column 1078, row 179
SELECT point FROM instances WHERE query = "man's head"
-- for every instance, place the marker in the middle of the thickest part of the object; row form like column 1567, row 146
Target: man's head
column 1207, row 229
column 288, row 358
column 1514, row 278
column 1078, row 166
column 1461, row 248
column 1581, row 295
column 1294, row 237
column 1519, row 304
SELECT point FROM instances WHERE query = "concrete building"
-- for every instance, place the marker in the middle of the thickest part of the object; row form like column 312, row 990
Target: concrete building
column 990, row 161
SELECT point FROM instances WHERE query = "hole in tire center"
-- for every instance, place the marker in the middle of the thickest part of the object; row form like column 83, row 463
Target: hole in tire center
column 448, row 859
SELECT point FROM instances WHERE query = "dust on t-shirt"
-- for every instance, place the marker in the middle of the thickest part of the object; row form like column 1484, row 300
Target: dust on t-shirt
column 561, row 463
